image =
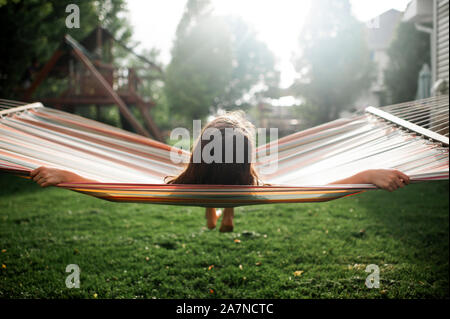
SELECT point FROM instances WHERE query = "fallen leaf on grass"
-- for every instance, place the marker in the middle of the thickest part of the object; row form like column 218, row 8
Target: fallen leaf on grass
column 298, row 273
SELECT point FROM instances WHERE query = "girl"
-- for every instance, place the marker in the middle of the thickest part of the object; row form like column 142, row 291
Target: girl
column 238, row 171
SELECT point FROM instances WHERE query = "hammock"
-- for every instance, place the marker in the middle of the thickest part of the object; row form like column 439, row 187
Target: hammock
column 411, row 137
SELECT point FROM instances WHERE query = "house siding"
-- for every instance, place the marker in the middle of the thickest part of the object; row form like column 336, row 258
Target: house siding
column 441, row 27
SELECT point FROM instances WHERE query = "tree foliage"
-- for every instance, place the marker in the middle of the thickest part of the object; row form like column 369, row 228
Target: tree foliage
column 253, row 63
column 334, row 63
column 33, row 29
column 216, row 60
column 200, row 68
column 408, row 52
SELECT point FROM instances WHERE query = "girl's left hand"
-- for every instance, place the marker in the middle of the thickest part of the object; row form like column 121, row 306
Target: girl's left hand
column 46, row 176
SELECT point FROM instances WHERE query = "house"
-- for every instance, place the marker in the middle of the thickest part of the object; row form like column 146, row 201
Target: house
column 281, row 113
column 379, row 34
column 432, row 17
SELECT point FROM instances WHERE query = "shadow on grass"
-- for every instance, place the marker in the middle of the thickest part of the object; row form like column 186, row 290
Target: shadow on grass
column 13, row 185
column 415, row 221
column 416, row 214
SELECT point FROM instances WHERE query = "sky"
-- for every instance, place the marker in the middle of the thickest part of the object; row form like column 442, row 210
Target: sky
column 278, row 23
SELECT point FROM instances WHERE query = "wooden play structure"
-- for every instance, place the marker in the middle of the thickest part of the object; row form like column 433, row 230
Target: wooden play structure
column 93, row 79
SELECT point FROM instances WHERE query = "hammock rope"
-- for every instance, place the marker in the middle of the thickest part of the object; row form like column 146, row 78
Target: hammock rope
column 411, row 137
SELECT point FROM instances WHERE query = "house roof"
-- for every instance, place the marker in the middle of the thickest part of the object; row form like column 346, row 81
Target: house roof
column 420, row 11
column 381, row 29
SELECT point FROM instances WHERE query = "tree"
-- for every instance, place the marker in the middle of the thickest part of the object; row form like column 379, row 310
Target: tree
column 408, row 52
column 253, row 64
column 334, row 63
column 199, row 70
column 216, row 60
column 32, row 30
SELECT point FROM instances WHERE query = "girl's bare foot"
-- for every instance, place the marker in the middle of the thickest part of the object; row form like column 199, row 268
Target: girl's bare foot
column 212, row 217
column 227, row 222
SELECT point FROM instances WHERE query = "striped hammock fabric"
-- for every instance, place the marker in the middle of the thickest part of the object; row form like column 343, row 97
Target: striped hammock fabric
column 411, row 137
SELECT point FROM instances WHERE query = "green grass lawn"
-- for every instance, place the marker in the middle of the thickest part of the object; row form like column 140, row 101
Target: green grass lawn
column 276, row 251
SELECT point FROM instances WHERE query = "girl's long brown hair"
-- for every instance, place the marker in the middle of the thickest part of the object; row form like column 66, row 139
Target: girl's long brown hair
column 234, row 173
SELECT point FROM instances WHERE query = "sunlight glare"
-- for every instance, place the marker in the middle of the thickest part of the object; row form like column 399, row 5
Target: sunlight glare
column 277, row 23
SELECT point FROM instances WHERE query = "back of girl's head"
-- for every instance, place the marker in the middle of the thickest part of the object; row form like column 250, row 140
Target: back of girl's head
column 235, row 119
column 223, row 154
